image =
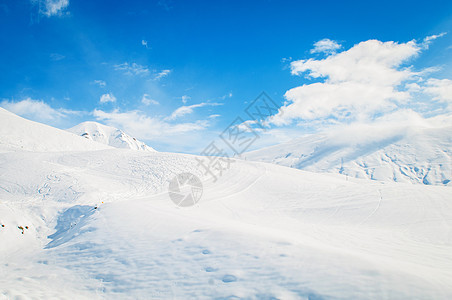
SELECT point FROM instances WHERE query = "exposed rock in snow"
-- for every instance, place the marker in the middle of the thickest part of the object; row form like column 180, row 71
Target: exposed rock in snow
column 109, row 136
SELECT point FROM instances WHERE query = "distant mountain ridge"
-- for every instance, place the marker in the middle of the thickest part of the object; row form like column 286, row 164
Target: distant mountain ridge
column 415, row 154
column 108, row 135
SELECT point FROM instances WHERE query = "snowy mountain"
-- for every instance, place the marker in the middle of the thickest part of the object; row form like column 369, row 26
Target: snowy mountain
column 17, row 133
column 412, row 154
column 109, row 136
column 96, row 222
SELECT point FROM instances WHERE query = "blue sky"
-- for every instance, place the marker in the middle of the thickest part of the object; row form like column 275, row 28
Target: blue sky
column 176, row 73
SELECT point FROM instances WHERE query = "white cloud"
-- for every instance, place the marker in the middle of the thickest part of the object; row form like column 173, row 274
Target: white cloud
column 228, row 95
column 430, row 38
column 162, row 74
column 324, row 46
column 146, row 100
column 145, row 127
column 365, row 62
column 51, row 8
column 185, row 110
column 107, row 98
column 132, row 69
column 413, row 87
column 357, row 83
column 286, row 59
column 100, row 83
column 145, row 44
column 397, row 124
column 185, row 98
column 36, row 110
column 440, row 89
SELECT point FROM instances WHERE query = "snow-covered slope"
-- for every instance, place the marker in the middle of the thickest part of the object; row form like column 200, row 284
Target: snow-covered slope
column 100, row 225
column 412, row 154
column 17, row 133
column 109, row 136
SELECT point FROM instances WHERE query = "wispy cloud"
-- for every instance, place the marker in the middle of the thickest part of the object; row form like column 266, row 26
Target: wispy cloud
column 107, row 98
column 162, row 74
column 440, row 89
column 37, row 110
column 145, row 44
column 185, row 99
column 433, row 37
column 145, row 127
column 146, row 100
column 51, row 8
column 188, row 109
column 228, row 95
column 132, row 69
column 100, row 83
column 287, row 59
column 56, row 56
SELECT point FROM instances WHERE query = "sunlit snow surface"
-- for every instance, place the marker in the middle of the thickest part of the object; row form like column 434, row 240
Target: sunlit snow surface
column 411, row 154
column 261, row 231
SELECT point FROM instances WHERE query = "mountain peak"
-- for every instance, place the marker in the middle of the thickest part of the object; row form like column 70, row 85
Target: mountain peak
column 109, row 136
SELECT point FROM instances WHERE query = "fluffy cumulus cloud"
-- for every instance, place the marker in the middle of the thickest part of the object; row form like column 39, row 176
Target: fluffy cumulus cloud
column 145, row 127
column 325, row 46
column 107, row 98
column 369, row 79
